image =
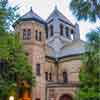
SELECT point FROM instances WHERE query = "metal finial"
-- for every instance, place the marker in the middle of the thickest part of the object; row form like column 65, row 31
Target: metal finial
column 55, row 7
column 31, row 8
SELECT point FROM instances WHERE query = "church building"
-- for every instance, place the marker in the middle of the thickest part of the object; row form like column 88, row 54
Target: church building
column 54, row 50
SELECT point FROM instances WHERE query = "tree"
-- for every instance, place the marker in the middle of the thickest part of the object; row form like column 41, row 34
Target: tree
column 14, row 66
column 90, row 71
column 13, row 63
column 86, row 9
column 10, row 12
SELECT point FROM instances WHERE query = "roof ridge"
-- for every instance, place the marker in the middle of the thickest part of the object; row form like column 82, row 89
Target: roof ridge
column 31, row 15
column 65, row 16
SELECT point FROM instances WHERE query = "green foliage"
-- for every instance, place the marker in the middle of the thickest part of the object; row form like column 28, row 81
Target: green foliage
column 14, row 66
column 9, row 13
column 86, row 9
column 90, row 71
column 15, row 63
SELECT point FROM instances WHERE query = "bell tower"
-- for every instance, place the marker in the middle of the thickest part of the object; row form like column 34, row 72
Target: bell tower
column 61, row 31
column 30, row 29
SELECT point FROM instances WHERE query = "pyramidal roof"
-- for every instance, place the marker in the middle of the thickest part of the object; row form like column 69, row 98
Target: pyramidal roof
column 57, row 13
column 31, row 15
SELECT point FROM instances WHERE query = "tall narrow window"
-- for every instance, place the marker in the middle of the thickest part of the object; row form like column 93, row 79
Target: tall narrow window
column 50, row 76
column 38, row 69
column 47, row 35
column 65, row 77
column 46, row 31
column 61, row 29
column 72, row 31
column 24, row 34
column 36, row 35
column 67, row 32
column 72, row 34
column 51, row 30
column 46, row 75
column 40, row 36
column 29, row 34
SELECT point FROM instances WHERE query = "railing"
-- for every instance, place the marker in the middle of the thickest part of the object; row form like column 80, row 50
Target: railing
column 62, row 84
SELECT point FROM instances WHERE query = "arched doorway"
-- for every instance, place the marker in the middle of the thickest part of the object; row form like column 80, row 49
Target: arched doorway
column 65, row 97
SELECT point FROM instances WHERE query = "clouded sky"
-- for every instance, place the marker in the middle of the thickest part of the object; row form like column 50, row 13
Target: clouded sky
column 44, row 7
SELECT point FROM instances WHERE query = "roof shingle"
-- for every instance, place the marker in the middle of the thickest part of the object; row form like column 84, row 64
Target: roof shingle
column 29, row 16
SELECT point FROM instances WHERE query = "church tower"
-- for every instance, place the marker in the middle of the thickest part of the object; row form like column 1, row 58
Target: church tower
column 60, row 31
column 30, row 29
column 58, row 24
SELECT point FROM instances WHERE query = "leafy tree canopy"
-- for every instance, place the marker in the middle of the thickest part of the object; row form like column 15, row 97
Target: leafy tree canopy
column 86, row 9
column 14, row 66
column 10, row 13
column 90, row 71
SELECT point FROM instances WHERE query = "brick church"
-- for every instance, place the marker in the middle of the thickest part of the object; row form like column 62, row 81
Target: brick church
column 53, row 48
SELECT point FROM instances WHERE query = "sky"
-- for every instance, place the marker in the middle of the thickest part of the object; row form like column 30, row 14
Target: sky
column 44, row 7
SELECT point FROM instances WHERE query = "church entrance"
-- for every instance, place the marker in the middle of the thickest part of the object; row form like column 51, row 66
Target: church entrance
column 65, row 97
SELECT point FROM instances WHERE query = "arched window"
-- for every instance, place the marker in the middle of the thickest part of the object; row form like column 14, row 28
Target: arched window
column 51, row 30
column 40, row 36
column 66, row 97
column 38, row 69
column 24, row 34
column 47, row 35
column 50, row 76
column 46, row 75
column 29, row 34
column 36, row 35
column 67, row 32
column 61, row 29
column 46, row 31
column 72, row 31
column 72, row 34
column 65, row 77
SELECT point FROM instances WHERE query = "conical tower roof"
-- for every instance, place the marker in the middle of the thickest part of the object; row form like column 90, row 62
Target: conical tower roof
column 31, row 15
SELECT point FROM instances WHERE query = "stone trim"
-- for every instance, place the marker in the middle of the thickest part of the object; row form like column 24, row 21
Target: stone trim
column 64, row 58
column 60, row 85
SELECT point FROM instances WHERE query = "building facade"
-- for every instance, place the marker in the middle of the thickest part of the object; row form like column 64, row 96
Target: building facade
column 53, row 47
